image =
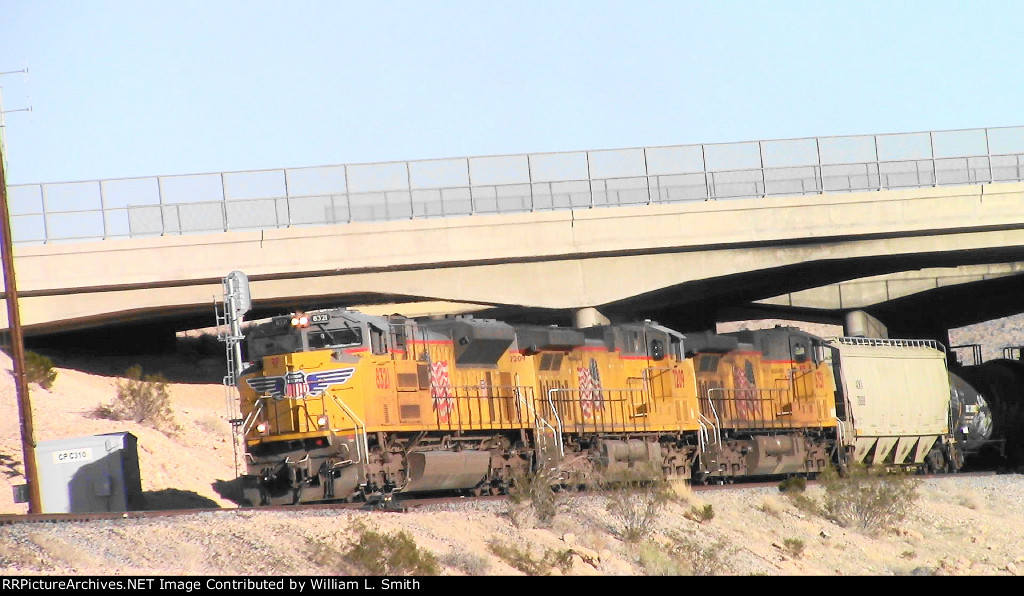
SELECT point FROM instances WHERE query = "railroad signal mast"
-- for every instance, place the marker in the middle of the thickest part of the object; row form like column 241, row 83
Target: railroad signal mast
column 237, row 303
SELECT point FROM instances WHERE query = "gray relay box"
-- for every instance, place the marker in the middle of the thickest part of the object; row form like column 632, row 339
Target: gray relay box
column 89, row 474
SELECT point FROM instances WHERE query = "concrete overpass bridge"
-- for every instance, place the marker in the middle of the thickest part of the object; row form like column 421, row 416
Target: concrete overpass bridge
column 687, row 235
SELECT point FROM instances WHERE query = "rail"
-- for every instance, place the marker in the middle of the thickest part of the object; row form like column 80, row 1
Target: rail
column 340, row 194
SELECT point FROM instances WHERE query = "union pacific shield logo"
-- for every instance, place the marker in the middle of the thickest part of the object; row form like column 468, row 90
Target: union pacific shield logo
column 298, row 384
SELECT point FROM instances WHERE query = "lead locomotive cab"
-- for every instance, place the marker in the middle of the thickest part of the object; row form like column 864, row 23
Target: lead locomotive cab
column 291, row 406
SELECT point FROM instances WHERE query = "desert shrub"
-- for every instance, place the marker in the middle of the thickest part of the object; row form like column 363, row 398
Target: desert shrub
column 523, row 560
column 685, row 556
column 141, row 398
column 870, row 499
column 389, row 554
column 794, row 546
column 636, row 506
column 806, row 504
column 701, row 514
column 656, row 560
column 39, row 370
column 771, row 507
column 534, row 498
column 793, row 484
column 468, row 562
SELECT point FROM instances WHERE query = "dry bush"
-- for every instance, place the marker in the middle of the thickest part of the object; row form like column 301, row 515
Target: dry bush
column 144, row 399
column 537, row 497
column 388, row 554
column 700, row 514
column 684, row 555
column 467, row 562
column 794, row 546
column 869, row 499
column 523, row 560
column 635, row 506
column 39, row 370
column 771, row 506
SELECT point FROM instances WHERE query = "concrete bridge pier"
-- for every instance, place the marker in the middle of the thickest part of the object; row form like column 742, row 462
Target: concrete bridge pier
column 589, row 317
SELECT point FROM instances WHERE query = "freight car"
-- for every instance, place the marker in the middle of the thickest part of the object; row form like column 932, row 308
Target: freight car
column 341, row 405
column 999, row 384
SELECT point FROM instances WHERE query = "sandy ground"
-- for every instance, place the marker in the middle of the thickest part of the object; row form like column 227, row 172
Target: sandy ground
column 960, row 526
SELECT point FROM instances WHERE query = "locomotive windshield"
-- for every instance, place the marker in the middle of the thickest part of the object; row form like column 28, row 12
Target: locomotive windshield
column 322, row 337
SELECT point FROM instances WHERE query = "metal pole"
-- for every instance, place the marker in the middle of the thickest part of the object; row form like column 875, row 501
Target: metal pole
column 935, row 172
column 28, row 441
column 988, row 155
column 647, row 178
column 529, row 175
column 408, row 184
column 821, row 175
column 590, row 183
column 764, row 182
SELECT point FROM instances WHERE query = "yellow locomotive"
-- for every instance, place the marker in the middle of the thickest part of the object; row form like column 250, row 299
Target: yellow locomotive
column 342, row 405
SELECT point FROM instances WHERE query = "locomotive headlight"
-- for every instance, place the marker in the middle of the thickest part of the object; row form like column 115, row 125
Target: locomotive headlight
column 262, row 428
column 300, row 320
column 322, row 421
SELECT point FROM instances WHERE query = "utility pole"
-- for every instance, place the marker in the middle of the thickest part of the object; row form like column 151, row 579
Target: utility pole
column 28, row 440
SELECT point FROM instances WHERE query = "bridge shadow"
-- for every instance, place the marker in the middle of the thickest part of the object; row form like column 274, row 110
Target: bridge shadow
column 172, row 498
column 173, row 367
column 232, row 491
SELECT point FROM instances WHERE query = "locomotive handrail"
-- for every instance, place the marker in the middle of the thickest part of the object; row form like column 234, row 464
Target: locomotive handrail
column 362, row 444
column 717, row 422
column 761, row 398
column 537, row 418
column 558, row 419
column 604, row 391
column 251, row 418
column 703, row 435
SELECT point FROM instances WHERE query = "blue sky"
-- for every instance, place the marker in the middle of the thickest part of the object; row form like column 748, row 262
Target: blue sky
column 142, row 88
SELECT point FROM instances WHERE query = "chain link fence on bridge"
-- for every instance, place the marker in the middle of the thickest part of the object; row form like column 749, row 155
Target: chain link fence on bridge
column 338, row 194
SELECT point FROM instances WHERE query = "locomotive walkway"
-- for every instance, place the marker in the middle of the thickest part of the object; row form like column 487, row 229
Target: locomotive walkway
column 655, row 232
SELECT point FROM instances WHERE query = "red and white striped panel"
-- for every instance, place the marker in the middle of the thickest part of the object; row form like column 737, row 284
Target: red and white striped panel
column 587, row 391
column 441, row 390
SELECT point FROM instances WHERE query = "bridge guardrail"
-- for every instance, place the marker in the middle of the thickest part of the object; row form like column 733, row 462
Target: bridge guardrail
column 325, row 195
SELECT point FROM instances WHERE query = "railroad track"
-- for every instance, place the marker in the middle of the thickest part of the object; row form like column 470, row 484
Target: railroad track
column 395, row 506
